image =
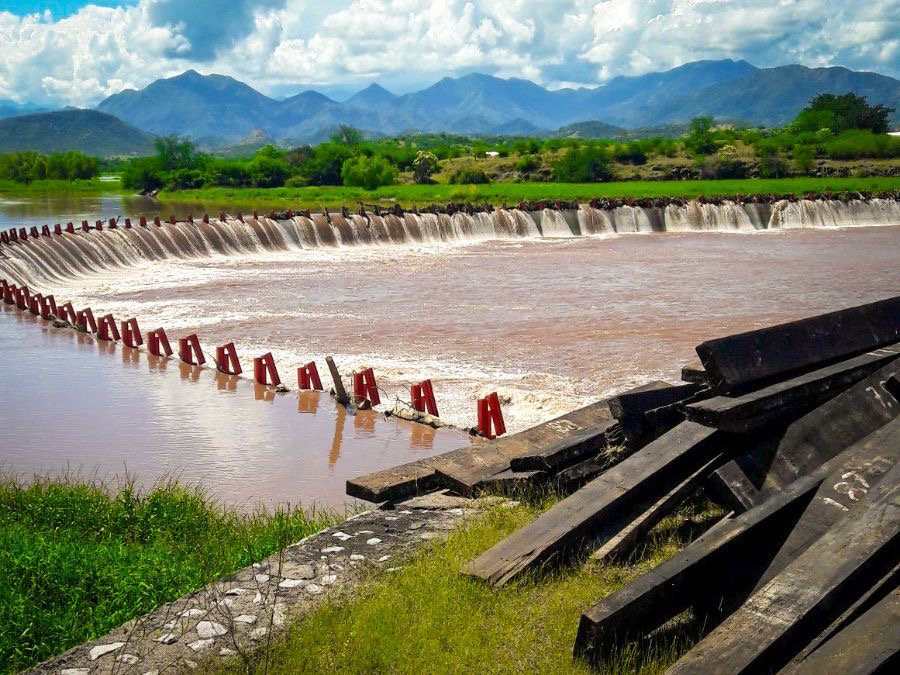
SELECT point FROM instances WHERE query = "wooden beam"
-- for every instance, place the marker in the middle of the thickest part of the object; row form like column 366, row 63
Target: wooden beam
column 782, row 351
column 809, row 441
column 636, row 402
column 727, row 559
column 778, row 620
column 790, row 399
column 694, row 373
column 593, row 513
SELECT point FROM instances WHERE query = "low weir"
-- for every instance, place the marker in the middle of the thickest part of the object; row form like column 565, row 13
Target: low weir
column 40, row 258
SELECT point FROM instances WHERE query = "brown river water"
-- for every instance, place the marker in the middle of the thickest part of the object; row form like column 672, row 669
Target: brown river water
column 549, row 320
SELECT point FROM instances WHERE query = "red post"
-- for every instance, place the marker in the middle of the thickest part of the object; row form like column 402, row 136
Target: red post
column 23, row 233
column 23, row 298
column 13, row 235
column 191, row 218
column 98, row 226
column 206, row 218
column 45, row 231
column 4, row 237
column 84, row 226
column 70, row 228
column 365, row 387
column 158, row 343
column 35, row 233
column 423, row 398
column 84, row 320
column 222, row 216
column 490, row 415
column 189, row 349
column 108, row 330
column 10, row 293
column 67, row 313
column 4, row 289
column 227, row 360
column 143, row 221
column 264, row 370
column 34, row 304
column 172, row 219
column 48, row 307
column 112, row 224
column 308, row 377
column 57, row 229
column 131, row 333
column 157, row 221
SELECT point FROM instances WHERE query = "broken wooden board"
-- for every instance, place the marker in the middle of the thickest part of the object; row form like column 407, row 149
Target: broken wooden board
column 777, row 621
column 787, row 400
column 732, row 554
column 809, row 441
column 694, row 373
column 487, row 459
column 510, row 481
column 577, row 445
column 782, row 351
column 594, row 512
column 636, row 402
column 627, row 539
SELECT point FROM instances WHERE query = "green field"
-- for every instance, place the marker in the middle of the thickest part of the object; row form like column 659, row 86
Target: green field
column 428, row 618
column 79, row 559
column 511, row 193
column 63, row 187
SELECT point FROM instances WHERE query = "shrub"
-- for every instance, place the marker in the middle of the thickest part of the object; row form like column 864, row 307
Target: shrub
column 804, row 158
column 143, row 174
column 724, row 164
column 266, row 171
column 630, row 153
column 588, row 164
column 368, row 172
column 527, row 164
column 424, row 165
column 700, row 139
column 469, row 175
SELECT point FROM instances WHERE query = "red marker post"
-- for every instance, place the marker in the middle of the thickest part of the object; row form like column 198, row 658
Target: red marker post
column 490, row 415
column 227, row 360
column 131, row 334
column 189, row 350
column 158, row 343
column 365, row 388
column 308, row 377
column 264, row 370
column 423, row 398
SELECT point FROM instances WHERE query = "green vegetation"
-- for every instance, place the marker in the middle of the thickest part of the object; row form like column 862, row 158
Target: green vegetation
column 25, row 167
column 88, row 131
column 512, row 193
column 57, row 187
column 427, row 617
column 78, row 559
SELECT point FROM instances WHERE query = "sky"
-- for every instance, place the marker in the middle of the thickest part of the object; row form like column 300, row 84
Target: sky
column 79, row 52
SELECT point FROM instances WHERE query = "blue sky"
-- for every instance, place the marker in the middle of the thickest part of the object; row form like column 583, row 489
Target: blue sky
column 81, row 52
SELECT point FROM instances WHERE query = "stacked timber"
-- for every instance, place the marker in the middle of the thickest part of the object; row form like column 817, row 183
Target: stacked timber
column 794, row 429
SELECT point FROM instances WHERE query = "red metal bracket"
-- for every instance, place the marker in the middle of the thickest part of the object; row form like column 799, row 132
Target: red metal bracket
column 308, row 377
column 489, row 414
column 264, row 370
column 189, row 349
column 227, row 360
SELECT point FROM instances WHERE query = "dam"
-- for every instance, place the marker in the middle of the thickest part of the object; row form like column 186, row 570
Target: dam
column 551, row 308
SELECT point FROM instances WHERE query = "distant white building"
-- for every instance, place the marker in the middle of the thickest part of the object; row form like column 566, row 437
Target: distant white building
column 492, row 153
column 894, row 133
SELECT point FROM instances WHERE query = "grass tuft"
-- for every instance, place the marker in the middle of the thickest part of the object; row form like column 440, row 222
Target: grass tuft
column 78, row 559
column 427, row 617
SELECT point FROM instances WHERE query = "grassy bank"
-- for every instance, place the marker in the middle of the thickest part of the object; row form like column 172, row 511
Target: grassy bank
column 427, row 617
column 512, row 193
column 53, row 187
column 78, row 559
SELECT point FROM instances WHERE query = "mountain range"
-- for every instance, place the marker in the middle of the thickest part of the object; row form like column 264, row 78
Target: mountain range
column 216, row 108
column 88, row 131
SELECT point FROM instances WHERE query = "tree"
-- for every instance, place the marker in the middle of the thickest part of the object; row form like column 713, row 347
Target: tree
column 700, row 139
column 839, row 113
column 424, row 165
column 267, row 172
column 326, row 165
column 368, row 172
column 143, row 175
column 588, row 164
column 175, row 153
column 347, row 135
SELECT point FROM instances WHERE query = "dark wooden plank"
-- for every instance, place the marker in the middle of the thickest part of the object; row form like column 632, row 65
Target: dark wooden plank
column 549, row 445
column 625, row 541
column 625, row 488
column 509, row 481
column 694, row 373
column 870, row 644
column 788, row 400
column 781, row 351
column 810, row 440
column 636, row 402
column 730, row 487
column 478, row 462
column 727, row 559
column 777, row 621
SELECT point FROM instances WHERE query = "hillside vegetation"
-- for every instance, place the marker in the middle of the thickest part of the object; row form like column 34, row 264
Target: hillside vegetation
column 86, row 131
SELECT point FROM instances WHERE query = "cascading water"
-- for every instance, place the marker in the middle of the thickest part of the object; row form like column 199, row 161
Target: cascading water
column 40, row 261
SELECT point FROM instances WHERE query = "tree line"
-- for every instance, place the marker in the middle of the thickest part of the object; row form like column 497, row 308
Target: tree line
column 28, row 166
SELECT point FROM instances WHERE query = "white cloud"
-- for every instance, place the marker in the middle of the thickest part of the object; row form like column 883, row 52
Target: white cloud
column 279, row 45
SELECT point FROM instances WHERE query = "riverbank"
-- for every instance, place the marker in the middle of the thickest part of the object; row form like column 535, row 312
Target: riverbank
column 331, row 197
column 38, row 188
column 81, row 557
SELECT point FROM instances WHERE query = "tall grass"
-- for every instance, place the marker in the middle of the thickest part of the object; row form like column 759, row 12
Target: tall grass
column 79, row 558
column 429, row 618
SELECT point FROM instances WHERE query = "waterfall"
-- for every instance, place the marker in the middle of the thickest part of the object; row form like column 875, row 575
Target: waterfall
column 40, row 261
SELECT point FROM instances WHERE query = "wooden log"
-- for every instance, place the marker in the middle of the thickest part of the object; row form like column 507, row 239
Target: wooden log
column 594, row 512
column 339, row 392
column 778, row 620
column 787, row 400
column 694, row 373
column 575, row 476
column 809, row 441
column 511, row 481
column 480, row 462
column 625, row 541
column 731, row 555
column 785, row 350
column 576, row 445
column 871, row 644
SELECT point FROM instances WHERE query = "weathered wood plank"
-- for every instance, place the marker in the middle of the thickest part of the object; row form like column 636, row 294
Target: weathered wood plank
column 593, row 512
column 788, row 400
column 729, row 486
column 636, row 402
column 480, row 461
column 811, row 440
column 787, row 349
column 694, row 373
column 778, row 620
column 544, row 447
column 870, row 644
column 510, row 481
column 627, row 539
column 727, row 559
